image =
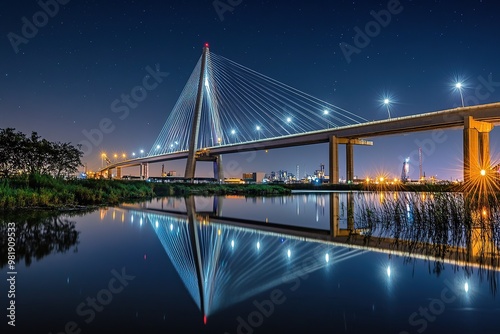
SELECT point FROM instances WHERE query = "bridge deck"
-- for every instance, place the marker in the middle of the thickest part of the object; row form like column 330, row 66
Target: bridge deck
column 444, row 119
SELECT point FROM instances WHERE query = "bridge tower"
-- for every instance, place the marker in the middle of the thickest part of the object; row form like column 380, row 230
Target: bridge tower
column 195, row 128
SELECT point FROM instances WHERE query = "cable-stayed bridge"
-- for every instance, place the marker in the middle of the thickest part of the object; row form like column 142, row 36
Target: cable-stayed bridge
column 228, row 108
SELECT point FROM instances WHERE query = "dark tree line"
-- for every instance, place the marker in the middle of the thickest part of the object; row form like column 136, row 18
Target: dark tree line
column 20, row 154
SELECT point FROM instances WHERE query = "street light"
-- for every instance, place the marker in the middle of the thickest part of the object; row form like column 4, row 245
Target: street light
column 258, row 130
column 233, row 133
column 459, row 86
column 142, row 152
column 103, row 156
column 387, row 102
column 325, row 113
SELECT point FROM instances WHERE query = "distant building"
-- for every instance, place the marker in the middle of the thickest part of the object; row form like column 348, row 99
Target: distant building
column 320, row 173
column 255, row 177
column 233, row 180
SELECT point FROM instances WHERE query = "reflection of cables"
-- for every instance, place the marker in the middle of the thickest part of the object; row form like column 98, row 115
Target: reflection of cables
column 238, row 263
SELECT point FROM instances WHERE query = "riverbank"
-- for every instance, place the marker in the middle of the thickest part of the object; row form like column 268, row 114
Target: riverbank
column 44, row 192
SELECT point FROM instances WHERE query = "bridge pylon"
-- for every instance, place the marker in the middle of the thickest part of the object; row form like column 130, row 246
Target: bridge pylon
column 195, row 128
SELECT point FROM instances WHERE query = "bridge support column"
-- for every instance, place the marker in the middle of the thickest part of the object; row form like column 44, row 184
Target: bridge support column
column 218, row 169
column 118, row 172
column 476, row 147
column 144, row 171
column 484, row 149
column 334, row 160
column 349, row 150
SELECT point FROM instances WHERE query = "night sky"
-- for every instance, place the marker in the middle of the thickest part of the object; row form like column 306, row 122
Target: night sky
column 62, row 79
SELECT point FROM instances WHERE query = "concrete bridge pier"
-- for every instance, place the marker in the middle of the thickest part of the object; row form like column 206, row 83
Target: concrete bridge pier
column 118, row 172
column 144, row 170
column 105, row 173
column 484, row 149
column 334, row 156
column 476, row 138
column 349, row 150
column 218, row 169
column 334, row 160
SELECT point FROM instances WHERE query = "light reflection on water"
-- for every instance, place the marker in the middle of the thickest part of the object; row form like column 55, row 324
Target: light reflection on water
column 221, row 255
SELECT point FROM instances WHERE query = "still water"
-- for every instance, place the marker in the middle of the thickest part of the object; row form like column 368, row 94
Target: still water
column 305, row 263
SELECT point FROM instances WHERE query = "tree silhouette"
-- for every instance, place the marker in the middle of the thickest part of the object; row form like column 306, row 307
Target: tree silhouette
column 34, row 155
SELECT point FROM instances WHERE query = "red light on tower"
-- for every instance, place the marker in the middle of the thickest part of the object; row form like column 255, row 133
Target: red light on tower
column 205, row 319
column 206, row 45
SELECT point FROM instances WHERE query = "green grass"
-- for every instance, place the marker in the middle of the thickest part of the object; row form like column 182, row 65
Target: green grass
column 42, row 191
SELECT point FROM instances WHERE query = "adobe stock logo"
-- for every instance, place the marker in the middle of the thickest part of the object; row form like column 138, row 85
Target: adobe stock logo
column 29, row 29
column 221, row 7
column 372, row 29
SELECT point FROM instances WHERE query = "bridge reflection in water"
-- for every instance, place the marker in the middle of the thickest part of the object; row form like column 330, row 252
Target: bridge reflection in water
column 221, row 263
column 224, row 260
